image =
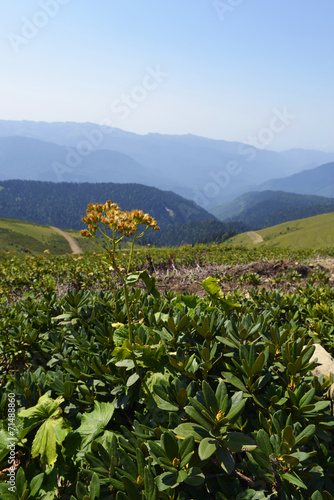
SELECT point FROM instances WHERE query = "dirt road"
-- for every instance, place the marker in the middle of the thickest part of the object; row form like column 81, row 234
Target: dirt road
column 71, row 241
column 255, row 237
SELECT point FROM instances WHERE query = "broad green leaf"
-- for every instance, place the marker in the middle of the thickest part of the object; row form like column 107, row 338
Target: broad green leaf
column 166, row 480
column 190, row 429
column 264, row 442
column 182, row 397
column 236, row 441
column 132, row 379
column 35, row 484
column 45, row 408
column 211, row 286
column 226, row 460
column 232, row 379
column 236, row 411
column 94, row 423
column 195, row 477
column 207, row 448
column 170, row 445
column 45, row 441
column 304, row 436
column 290, row 459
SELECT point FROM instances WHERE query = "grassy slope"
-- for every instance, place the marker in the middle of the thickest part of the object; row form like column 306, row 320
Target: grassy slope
column 18, row 236
column 313, row 232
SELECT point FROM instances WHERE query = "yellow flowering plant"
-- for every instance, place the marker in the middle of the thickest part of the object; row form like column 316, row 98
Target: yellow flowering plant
column 109, row 220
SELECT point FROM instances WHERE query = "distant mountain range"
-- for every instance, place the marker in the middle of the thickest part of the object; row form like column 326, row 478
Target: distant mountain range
column 204, row 170
column 263, row 209
column 319, row 180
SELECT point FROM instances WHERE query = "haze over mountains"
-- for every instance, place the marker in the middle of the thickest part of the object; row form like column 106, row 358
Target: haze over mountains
column 208, row 171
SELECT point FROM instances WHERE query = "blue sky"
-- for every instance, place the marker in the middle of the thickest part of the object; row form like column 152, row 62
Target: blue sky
column 218, row 68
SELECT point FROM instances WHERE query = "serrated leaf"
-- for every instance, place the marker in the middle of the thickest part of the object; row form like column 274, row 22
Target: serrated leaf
column 45, row 441
column 94, row 423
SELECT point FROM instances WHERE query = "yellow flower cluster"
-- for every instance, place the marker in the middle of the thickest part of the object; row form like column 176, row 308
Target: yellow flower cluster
column 111, row 216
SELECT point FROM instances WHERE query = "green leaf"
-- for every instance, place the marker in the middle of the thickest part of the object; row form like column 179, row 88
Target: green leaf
column 170, row 445
column 151, row 491
column 232, row 379
column 195, row 477
column 182, row 397
column 236, row 441
column 131, row 489
column 304, row 436
column 226, row 460
column 221, row 394
column 211, row 286
column 186, row 447
column 236, row 411
column 294, row 480
column 259, row 363
column 263, row 439
column 132, row 379
column 94, row 423
column 207, row 448
column 45, row 441
column 210, row 398
column 94, row 487
column 200, row 419
column 166, row 480
column 21, row 483
column 81, row 491
column 290, row 459
column 35, row 484
column 45, row 408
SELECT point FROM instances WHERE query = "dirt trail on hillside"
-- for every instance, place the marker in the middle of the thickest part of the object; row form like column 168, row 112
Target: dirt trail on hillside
column 255, row 237
column 71, row 241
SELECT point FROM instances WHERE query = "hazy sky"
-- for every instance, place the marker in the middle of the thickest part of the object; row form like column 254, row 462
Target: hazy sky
column 244, row 70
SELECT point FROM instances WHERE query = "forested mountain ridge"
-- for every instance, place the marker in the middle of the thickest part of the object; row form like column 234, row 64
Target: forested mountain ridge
column 269, row 208
column 64, row 204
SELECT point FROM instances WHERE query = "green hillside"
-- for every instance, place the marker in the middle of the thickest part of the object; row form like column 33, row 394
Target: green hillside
column 259, row 210
column 29, row 238
column 313, row 232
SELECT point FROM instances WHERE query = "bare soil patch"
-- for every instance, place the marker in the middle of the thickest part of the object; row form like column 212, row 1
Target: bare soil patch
column 267, row 274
